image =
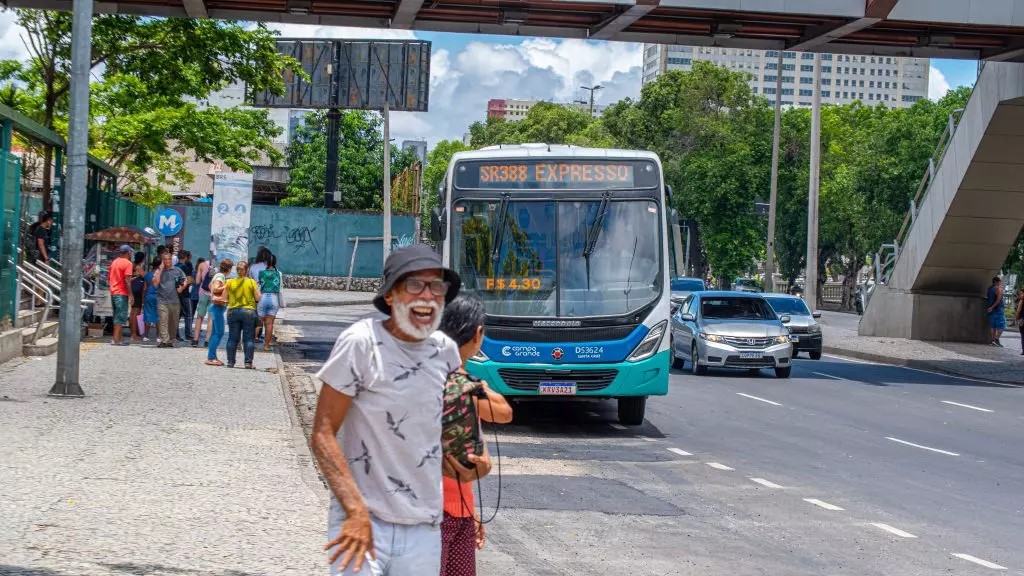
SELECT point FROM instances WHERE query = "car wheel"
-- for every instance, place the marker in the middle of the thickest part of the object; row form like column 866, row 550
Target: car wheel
column 783, row 372
column 677, row 362
column 796, row 353
column 695, row 367
column 631, row 410
column 816, row 355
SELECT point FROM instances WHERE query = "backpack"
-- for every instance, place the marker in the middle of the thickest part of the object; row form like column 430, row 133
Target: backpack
column 460, row 424
column 205, row 284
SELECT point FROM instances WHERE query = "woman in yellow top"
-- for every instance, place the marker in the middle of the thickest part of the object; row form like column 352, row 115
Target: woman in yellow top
column 243, row 294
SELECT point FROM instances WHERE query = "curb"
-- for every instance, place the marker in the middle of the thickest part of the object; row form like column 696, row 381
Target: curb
column 304, row 455
column 915, row 364
column 311, row 303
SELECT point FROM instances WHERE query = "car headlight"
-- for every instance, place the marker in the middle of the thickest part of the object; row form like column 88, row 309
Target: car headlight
column 814, row 329
column 712, row 337
column 480, row 357
column 784, row 339
column 649, row 345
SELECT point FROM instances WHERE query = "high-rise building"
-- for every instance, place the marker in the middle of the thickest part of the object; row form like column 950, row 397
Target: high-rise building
column 845, row 78
column 418, row 147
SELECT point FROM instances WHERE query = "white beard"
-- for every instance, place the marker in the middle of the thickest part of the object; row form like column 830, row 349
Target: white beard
column 402, row 315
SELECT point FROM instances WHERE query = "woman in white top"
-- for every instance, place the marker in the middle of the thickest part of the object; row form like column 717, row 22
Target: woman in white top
column 259, row 264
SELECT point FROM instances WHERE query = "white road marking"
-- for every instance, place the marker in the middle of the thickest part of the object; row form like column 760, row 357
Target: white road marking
column 617, row 426
column 758, row 399
column 646, row 439
column 593, row 414
column 765, row 483
column 718, row 466
column 679, row 452
column 979, row 561
column 892, row 530
column 853, row 360
column 822, row 504
column 829, row 376
column 921, row 447
column 967, row 406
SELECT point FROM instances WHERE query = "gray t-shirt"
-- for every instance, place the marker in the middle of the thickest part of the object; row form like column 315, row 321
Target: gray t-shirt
column 392, row 434
column 166, row 292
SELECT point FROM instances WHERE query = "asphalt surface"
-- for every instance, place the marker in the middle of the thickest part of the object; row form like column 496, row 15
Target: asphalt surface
column 845, row 468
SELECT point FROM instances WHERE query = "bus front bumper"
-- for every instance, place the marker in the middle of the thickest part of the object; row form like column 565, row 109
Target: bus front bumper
column 644, row 378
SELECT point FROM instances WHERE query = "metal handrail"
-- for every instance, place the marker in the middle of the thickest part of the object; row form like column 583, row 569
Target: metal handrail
column 933, row 165
column 51, row 298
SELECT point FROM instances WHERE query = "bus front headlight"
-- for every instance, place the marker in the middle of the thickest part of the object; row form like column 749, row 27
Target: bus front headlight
column 649, row 345
column 479, row 357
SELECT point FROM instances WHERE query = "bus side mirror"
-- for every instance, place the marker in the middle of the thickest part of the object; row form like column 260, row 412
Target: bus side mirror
column 437, row 225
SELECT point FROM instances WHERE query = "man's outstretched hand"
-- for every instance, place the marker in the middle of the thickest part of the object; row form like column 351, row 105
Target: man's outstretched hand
column 354, row 541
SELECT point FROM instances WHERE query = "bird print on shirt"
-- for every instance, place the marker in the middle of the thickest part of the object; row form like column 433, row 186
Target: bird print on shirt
column 410, row 371
column 395, row 426
column 433, row 454
column 356, row 383
column 401, row 487
column 365, row 458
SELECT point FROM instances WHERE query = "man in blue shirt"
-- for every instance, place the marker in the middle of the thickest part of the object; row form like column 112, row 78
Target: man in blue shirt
column 996, row 313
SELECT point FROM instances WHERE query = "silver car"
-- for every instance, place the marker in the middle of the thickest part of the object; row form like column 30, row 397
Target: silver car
column 683, row 287
column 803, row 324
column 730, row 330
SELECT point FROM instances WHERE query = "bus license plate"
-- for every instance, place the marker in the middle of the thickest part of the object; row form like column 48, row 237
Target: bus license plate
column 751, row 355
column 557, row 388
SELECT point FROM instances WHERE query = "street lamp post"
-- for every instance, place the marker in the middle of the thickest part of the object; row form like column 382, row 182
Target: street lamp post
column 811, row 274
column 592, row 89
column 769, row 262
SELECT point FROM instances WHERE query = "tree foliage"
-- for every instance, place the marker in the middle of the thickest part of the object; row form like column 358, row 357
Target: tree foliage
column 360, row 161
column 437, row 166
column 149, row 76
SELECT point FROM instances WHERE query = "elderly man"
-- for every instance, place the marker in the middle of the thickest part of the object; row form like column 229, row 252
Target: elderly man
column 377, row 429
column 169, row 282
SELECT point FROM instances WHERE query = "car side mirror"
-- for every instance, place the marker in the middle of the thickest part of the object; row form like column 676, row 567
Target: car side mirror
column 687, row 317
column 785, row 319
column 438, row 226
column 816, row 314
column 675, row 308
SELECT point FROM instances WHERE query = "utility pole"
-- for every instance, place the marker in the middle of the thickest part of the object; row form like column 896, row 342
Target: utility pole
column 811, row 273
column 333, row 117
column 387, row 180
column 592, row 89
column 69, row 329
column 769, row 262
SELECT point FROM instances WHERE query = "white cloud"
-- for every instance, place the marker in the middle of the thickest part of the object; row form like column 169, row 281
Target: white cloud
column 315, row 31
column 536, row 69
column 937, row 84
column 12, row 47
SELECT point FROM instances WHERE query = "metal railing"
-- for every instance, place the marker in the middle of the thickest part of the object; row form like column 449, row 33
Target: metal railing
column 885, row 258
column 28, row 279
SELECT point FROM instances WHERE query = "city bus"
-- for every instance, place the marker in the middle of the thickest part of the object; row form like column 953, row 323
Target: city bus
column 571, row 250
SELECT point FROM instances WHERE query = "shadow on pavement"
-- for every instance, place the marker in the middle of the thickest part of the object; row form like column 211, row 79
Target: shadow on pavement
column 884, row 375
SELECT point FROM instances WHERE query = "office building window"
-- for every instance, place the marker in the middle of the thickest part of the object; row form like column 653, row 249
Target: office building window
column 772, row 54
column 807, row 56
column 789, row 54
column 871, row 84
column 826, row 69
column 887, row 72
column 888, row 60
column 806, row 80
column 804, row 92
column 826, row 81
column 680, row 61
column 861, row 83
column 787, row 79
column 872, row 59
column 873, row 71
column 871, row 96
column 826, row 57
column 769, row 90
column 826, row 93
column 863, row 59
column 787, row 102
column 846, row 94
column 787, row 91
column 754, row 90
column 789, row 67
column 861, row 96
column 862, row 72
column 771, row 78
column 807, row 67
column 771, row 66
column 909, row 98
column 846, row 82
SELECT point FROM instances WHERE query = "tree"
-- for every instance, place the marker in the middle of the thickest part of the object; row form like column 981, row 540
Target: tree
column 144, row 116
column 434, row 173
column 544, row 122
column 360, row 161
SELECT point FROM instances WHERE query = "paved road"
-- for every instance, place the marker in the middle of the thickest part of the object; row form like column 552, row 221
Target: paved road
column 846, row 468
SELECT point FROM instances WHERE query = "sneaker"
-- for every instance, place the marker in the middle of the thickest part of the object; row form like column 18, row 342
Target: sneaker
column 999, row 344
column 195, row 344
column 204, row 344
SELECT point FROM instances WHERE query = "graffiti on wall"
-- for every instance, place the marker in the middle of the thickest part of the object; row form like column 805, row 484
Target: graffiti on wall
column 301, row 238
column 401, row 242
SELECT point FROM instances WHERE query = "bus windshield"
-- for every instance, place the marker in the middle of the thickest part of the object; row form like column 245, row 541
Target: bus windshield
column 539, row 267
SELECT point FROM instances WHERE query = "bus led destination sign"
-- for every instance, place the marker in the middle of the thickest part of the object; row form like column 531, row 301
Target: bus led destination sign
column 537, row 175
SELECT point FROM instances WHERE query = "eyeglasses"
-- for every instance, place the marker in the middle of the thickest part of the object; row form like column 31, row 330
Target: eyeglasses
column 416, row 286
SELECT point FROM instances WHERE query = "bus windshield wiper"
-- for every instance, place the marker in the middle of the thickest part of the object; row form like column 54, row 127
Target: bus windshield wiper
column 498, row 234
column 595, row 231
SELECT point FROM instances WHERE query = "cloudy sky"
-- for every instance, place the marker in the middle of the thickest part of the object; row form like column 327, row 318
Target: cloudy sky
column 468, row 70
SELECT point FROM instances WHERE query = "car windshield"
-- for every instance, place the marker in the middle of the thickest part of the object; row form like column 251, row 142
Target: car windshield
column 539, row 267
column 793, row 306
column 687, row 284
column 747, row 282
column 736, row 308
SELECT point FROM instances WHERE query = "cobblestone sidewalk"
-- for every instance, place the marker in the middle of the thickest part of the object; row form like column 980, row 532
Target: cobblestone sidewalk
column 1005, row 365
column 167, row 467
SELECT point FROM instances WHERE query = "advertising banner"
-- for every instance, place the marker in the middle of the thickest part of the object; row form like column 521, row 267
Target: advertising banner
column 229, row 221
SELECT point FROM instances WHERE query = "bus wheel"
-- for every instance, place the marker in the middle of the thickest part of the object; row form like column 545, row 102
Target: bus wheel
column 631, row 410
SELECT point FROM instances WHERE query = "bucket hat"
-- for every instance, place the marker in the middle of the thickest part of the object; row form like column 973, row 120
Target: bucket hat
column 405, row 261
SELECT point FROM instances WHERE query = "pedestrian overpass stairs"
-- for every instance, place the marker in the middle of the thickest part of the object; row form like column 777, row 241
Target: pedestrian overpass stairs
column 968, row 213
